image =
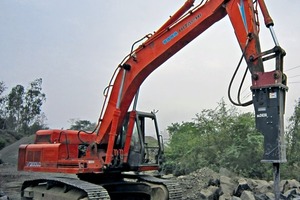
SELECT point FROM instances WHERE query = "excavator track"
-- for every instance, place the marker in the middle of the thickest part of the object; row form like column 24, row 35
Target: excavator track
column 60, row 188
column 174, row 189
column 88, row 190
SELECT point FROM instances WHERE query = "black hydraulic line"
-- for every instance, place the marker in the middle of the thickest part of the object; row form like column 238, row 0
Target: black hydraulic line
column 242, row 82
column 66, row 140
column 78, row 135
column 131, row 50
column 241, row 85
column 230, row 84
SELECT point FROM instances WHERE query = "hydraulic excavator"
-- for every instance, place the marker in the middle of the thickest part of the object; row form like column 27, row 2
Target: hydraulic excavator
column 111, row 160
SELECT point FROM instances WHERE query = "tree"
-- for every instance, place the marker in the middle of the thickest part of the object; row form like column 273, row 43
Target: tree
column 15, row 106
column 33, row 101
column 2, row 89
column 292, row 167
column 216, row 138
column 293, row 135
column 23, row 107
column 2, row 105
column 82, row 125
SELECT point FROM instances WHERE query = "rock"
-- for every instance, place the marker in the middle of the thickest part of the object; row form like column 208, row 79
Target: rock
column 247, row 195
column 225, row 197
column 206, row 184
column 260, row 196
column 182, row 177
column 214, row 182
column 260, row 186
column 289, row 184
column 268, row 196
column 242, row 186
column 210, row 193
column 193, row 183
column 291, row 194
column 3, row 196
column 227, row 185
column 168, row 176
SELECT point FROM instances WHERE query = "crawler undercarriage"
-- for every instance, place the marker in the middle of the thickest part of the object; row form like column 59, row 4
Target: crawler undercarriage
column 133, row 187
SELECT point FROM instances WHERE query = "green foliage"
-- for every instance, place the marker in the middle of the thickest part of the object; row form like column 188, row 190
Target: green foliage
column 292, row 167
column 293, row 135
column 21, row 108
column 8, row 137
column 2, row 105
column 15, row 105
column 2, row 87
column 82, row 125
column 216, row 138
column 225, row 138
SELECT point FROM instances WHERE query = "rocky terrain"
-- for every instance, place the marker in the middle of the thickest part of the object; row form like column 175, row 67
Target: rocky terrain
column 203, row 184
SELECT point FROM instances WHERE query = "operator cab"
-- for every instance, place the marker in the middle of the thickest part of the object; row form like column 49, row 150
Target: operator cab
column 146, row 145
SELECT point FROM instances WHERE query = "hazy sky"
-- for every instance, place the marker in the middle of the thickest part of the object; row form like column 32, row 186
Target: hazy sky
column 75, row 45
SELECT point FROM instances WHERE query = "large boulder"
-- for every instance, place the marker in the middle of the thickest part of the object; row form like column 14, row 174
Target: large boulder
column 210, row 193
column 247, row 195
column 227, row 185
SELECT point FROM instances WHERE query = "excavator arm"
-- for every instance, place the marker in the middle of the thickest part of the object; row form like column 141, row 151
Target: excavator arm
column 184, row 26
column 175, row 34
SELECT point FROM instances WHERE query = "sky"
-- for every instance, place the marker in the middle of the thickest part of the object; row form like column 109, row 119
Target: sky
column 75, row 45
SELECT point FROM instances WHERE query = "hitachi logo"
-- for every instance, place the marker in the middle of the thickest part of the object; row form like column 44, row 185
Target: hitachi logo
column 262, row 115
column 34, row 164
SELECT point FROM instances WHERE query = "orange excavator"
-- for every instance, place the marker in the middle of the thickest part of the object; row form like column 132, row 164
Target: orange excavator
column 110, row 162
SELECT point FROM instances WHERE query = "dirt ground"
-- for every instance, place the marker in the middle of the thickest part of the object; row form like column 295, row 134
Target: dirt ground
column 11, row 179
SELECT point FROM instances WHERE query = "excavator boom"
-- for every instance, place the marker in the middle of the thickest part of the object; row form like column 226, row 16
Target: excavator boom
column 174, row 35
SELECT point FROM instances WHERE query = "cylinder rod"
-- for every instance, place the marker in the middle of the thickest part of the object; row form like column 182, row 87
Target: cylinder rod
column 276, row 172
column 187, row 5
column 121, row 89
column 136, row 99
column 274, row 35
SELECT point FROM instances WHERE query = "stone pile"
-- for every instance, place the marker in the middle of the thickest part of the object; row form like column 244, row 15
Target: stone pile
column 205, row 184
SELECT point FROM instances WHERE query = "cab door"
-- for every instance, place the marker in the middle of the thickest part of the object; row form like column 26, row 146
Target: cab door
column 145, row 146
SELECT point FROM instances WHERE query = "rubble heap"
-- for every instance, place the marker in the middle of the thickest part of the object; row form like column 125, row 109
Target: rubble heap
column 205, row 184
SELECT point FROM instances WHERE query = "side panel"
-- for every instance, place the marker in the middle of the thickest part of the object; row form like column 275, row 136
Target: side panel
column 21, row 157
column 41, row 156
column 62, row 158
